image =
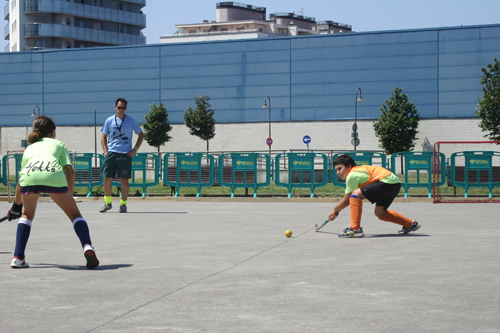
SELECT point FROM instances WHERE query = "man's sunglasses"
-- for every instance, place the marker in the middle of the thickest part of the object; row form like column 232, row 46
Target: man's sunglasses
column 121, row 107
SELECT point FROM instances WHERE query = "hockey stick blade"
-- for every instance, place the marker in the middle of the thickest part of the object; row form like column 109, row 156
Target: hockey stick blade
column 316, row 227
column 4, row 218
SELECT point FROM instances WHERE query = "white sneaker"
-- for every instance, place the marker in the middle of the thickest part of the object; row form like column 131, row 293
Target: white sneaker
column 89, row 253
column 18, row 263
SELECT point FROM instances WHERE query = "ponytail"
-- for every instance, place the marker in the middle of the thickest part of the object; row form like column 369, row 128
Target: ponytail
column 42, row 128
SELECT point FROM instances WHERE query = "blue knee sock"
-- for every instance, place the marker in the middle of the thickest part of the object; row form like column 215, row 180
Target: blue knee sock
column 82, row 230
column 22, row 236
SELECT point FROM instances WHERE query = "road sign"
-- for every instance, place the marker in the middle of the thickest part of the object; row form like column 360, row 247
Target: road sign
column 357, row 141
column 269, row 141
column 306, row 139
column 354, row 127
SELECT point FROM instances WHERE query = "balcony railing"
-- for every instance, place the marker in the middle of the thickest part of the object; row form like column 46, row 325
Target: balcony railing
column 76, row 9
column 140, row 2
column 6, row 32
column 91, row 35
column 6, row 11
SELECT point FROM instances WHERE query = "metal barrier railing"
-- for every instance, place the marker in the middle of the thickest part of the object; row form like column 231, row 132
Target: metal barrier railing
column 188, row 170
column 301, row 171
column 420, row 162
column 244, row 170
column 470, row 169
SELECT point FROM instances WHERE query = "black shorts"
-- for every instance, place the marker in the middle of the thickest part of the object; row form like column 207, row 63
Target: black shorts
column 34, row 189
column 380, row 193
column 117, row 163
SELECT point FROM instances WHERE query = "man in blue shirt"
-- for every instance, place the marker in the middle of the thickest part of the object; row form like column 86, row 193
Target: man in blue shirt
column 116, row 141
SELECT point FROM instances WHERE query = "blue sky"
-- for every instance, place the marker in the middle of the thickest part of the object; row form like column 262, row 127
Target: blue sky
column 363, row 15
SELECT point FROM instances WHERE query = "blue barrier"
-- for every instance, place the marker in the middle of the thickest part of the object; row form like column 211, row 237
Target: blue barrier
column 241, row 170
column 474, row 169
column 188, row 170
column 6, row 169
column 301, row 171
column 417, row 162
column 142, row 162
column 361, row 158
column 85, row 174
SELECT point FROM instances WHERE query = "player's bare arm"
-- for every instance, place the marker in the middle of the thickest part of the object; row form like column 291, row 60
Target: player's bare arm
column 339, row 207
column 140, row 138
column 104, row 144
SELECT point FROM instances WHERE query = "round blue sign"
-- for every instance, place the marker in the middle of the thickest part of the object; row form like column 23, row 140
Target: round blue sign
column 306, row 139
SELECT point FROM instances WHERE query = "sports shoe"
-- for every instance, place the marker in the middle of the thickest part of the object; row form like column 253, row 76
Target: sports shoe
column 89, row 253
column 123, row 209
column 105, row 208
column 352, row 233
column 18, row 263
column 414, row 227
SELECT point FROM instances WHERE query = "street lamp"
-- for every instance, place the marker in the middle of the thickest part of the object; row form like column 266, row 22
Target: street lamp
column 355, row 127
column 36, row 114
column 268, row 107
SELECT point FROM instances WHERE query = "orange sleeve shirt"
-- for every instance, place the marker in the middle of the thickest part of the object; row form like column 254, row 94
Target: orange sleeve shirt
column 363, row 175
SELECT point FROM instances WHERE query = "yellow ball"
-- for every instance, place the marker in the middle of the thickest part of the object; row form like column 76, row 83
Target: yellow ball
column 288, row 233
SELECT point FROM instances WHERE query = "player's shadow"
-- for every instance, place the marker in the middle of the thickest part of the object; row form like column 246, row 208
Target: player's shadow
column 379, row 235
column 396, row 235
column 81, row 268
column 152, row 212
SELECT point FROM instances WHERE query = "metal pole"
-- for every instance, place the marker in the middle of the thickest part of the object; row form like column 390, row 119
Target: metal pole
column 269, row 123
column 355, row 130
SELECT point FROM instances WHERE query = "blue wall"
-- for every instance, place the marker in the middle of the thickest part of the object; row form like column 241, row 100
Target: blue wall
column 309, row 78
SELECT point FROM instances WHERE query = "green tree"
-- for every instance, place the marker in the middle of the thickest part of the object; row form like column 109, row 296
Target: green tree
column 200, row 121
column 157, row 126
column 396, row 127
column 489, row 105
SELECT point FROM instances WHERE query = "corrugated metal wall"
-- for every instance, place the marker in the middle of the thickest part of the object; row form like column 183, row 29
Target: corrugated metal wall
column 307, row 78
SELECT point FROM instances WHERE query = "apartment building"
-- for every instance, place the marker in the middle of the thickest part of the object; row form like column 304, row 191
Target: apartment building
column 241, row 21
column 57, row 24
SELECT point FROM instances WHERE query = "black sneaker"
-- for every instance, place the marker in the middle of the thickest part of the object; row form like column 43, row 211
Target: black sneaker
column 414, row 227
column 352, row 233
column 105, row 208
column 123, row 209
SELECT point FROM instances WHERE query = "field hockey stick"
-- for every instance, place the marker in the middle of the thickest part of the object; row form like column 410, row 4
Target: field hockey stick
column 316, row 227
column 4, row 218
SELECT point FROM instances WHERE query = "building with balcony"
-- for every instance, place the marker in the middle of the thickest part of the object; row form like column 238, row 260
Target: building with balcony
column 57, row 24
column 241, row 21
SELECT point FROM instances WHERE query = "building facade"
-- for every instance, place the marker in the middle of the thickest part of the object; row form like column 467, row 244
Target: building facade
column 311, row 82
column 64, row 24
column 241, row 21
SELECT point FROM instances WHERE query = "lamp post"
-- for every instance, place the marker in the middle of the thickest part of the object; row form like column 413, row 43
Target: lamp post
column 34, row 114
column 355, row 127
column 268, row 107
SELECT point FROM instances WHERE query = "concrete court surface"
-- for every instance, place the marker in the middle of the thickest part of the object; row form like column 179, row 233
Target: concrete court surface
column 226, row 266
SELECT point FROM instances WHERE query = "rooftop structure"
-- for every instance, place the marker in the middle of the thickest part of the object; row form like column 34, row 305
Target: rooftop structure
column 241, row 21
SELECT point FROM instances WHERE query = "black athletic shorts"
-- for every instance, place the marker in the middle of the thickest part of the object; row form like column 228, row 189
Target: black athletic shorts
column 380, row 193
column 117, row 163
column 34, row 189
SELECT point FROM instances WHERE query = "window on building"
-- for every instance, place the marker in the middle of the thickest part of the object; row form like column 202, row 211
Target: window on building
column 120, row 6
column 192, row 31
column 68, row 45
column 68, row 21
column 120, row 29
column 41, row 43
column 223, row 29
column 40, row 19
column 240, row 28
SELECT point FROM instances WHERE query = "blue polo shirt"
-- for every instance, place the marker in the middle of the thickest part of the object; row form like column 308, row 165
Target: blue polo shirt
column 120, row 132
